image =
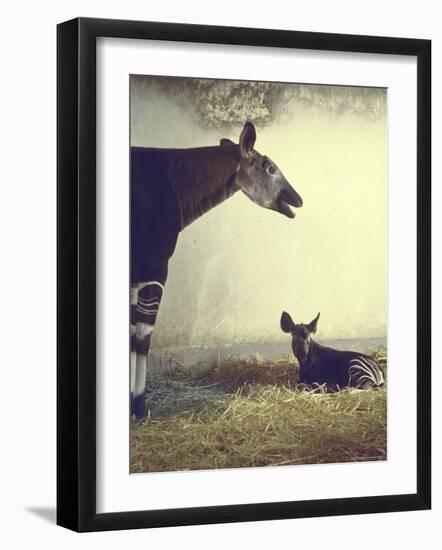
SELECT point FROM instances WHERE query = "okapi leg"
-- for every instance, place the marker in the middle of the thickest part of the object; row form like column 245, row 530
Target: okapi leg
column 133, row 353
column 148, row 303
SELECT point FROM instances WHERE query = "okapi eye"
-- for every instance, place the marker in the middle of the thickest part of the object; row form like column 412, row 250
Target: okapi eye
column 271, row 169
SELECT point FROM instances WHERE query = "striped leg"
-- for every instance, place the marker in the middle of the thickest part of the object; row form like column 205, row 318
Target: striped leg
column 365, row 373
column 148, row 302
column 133, row 353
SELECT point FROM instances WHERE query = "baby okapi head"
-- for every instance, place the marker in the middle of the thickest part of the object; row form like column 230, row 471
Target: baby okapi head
column 259, row 177
column 301, row 335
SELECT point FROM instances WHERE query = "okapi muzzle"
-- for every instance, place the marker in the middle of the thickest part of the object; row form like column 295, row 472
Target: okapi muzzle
column 261, row 180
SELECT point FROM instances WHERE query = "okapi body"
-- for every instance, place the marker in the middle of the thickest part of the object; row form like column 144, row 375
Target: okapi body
column 170, row 188
column 322, row 365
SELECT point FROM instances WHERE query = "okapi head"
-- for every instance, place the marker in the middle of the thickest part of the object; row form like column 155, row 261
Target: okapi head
column 259, row 177
column 301, row 334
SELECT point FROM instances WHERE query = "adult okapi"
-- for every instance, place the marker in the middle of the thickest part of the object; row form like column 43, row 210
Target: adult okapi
column 321, row 365
column 170, row 188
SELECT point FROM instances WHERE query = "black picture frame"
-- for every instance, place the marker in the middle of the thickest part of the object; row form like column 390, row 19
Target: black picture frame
column 76, row 274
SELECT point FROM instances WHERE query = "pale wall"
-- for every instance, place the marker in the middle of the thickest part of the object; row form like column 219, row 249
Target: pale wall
column 236, row 268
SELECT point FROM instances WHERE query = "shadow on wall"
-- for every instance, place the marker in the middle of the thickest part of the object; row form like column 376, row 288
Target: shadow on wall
column 46, row 513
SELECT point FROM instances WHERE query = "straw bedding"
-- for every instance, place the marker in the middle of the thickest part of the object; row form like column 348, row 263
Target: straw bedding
column 245, row 413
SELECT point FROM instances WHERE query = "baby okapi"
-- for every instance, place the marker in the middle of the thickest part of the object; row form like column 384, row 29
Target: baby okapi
column 335, row 368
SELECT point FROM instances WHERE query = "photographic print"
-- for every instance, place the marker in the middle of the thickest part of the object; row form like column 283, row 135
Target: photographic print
column 223, row 251
column 258, row 266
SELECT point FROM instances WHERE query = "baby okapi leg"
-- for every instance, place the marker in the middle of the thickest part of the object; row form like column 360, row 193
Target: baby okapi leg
column 149, row 298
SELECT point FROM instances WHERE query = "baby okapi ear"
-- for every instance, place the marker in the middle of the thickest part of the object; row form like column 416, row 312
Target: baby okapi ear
column 247, row 139
column 224, row 141
column 313, row 325
column 287, row 323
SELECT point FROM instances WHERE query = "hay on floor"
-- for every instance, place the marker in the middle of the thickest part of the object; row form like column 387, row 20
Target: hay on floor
column 250, row 413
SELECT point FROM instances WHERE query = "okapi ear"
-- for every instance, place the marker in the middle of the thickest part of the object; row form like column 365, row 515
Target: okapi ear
column 313, row 325
column 287, row 323
column 224, row 141
column 247, row 139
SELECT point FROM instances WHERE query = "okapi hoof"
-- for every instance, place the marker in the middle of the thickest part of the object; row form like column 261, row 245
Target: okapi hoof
column 139, row 406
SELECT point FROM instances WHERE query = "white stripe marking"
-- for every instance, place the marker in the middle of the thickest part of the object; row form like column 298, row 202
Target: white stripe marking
column 372, row 371
column 147, row 304
column 149, row 283
column 133, row 296
column 149, row 299
column 133, row 366
column 146, row 310
column 144, row 329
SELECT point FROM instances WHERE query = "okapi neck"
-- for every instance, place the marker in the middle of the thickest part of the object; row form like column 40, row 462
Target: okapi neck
column 209, row 179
